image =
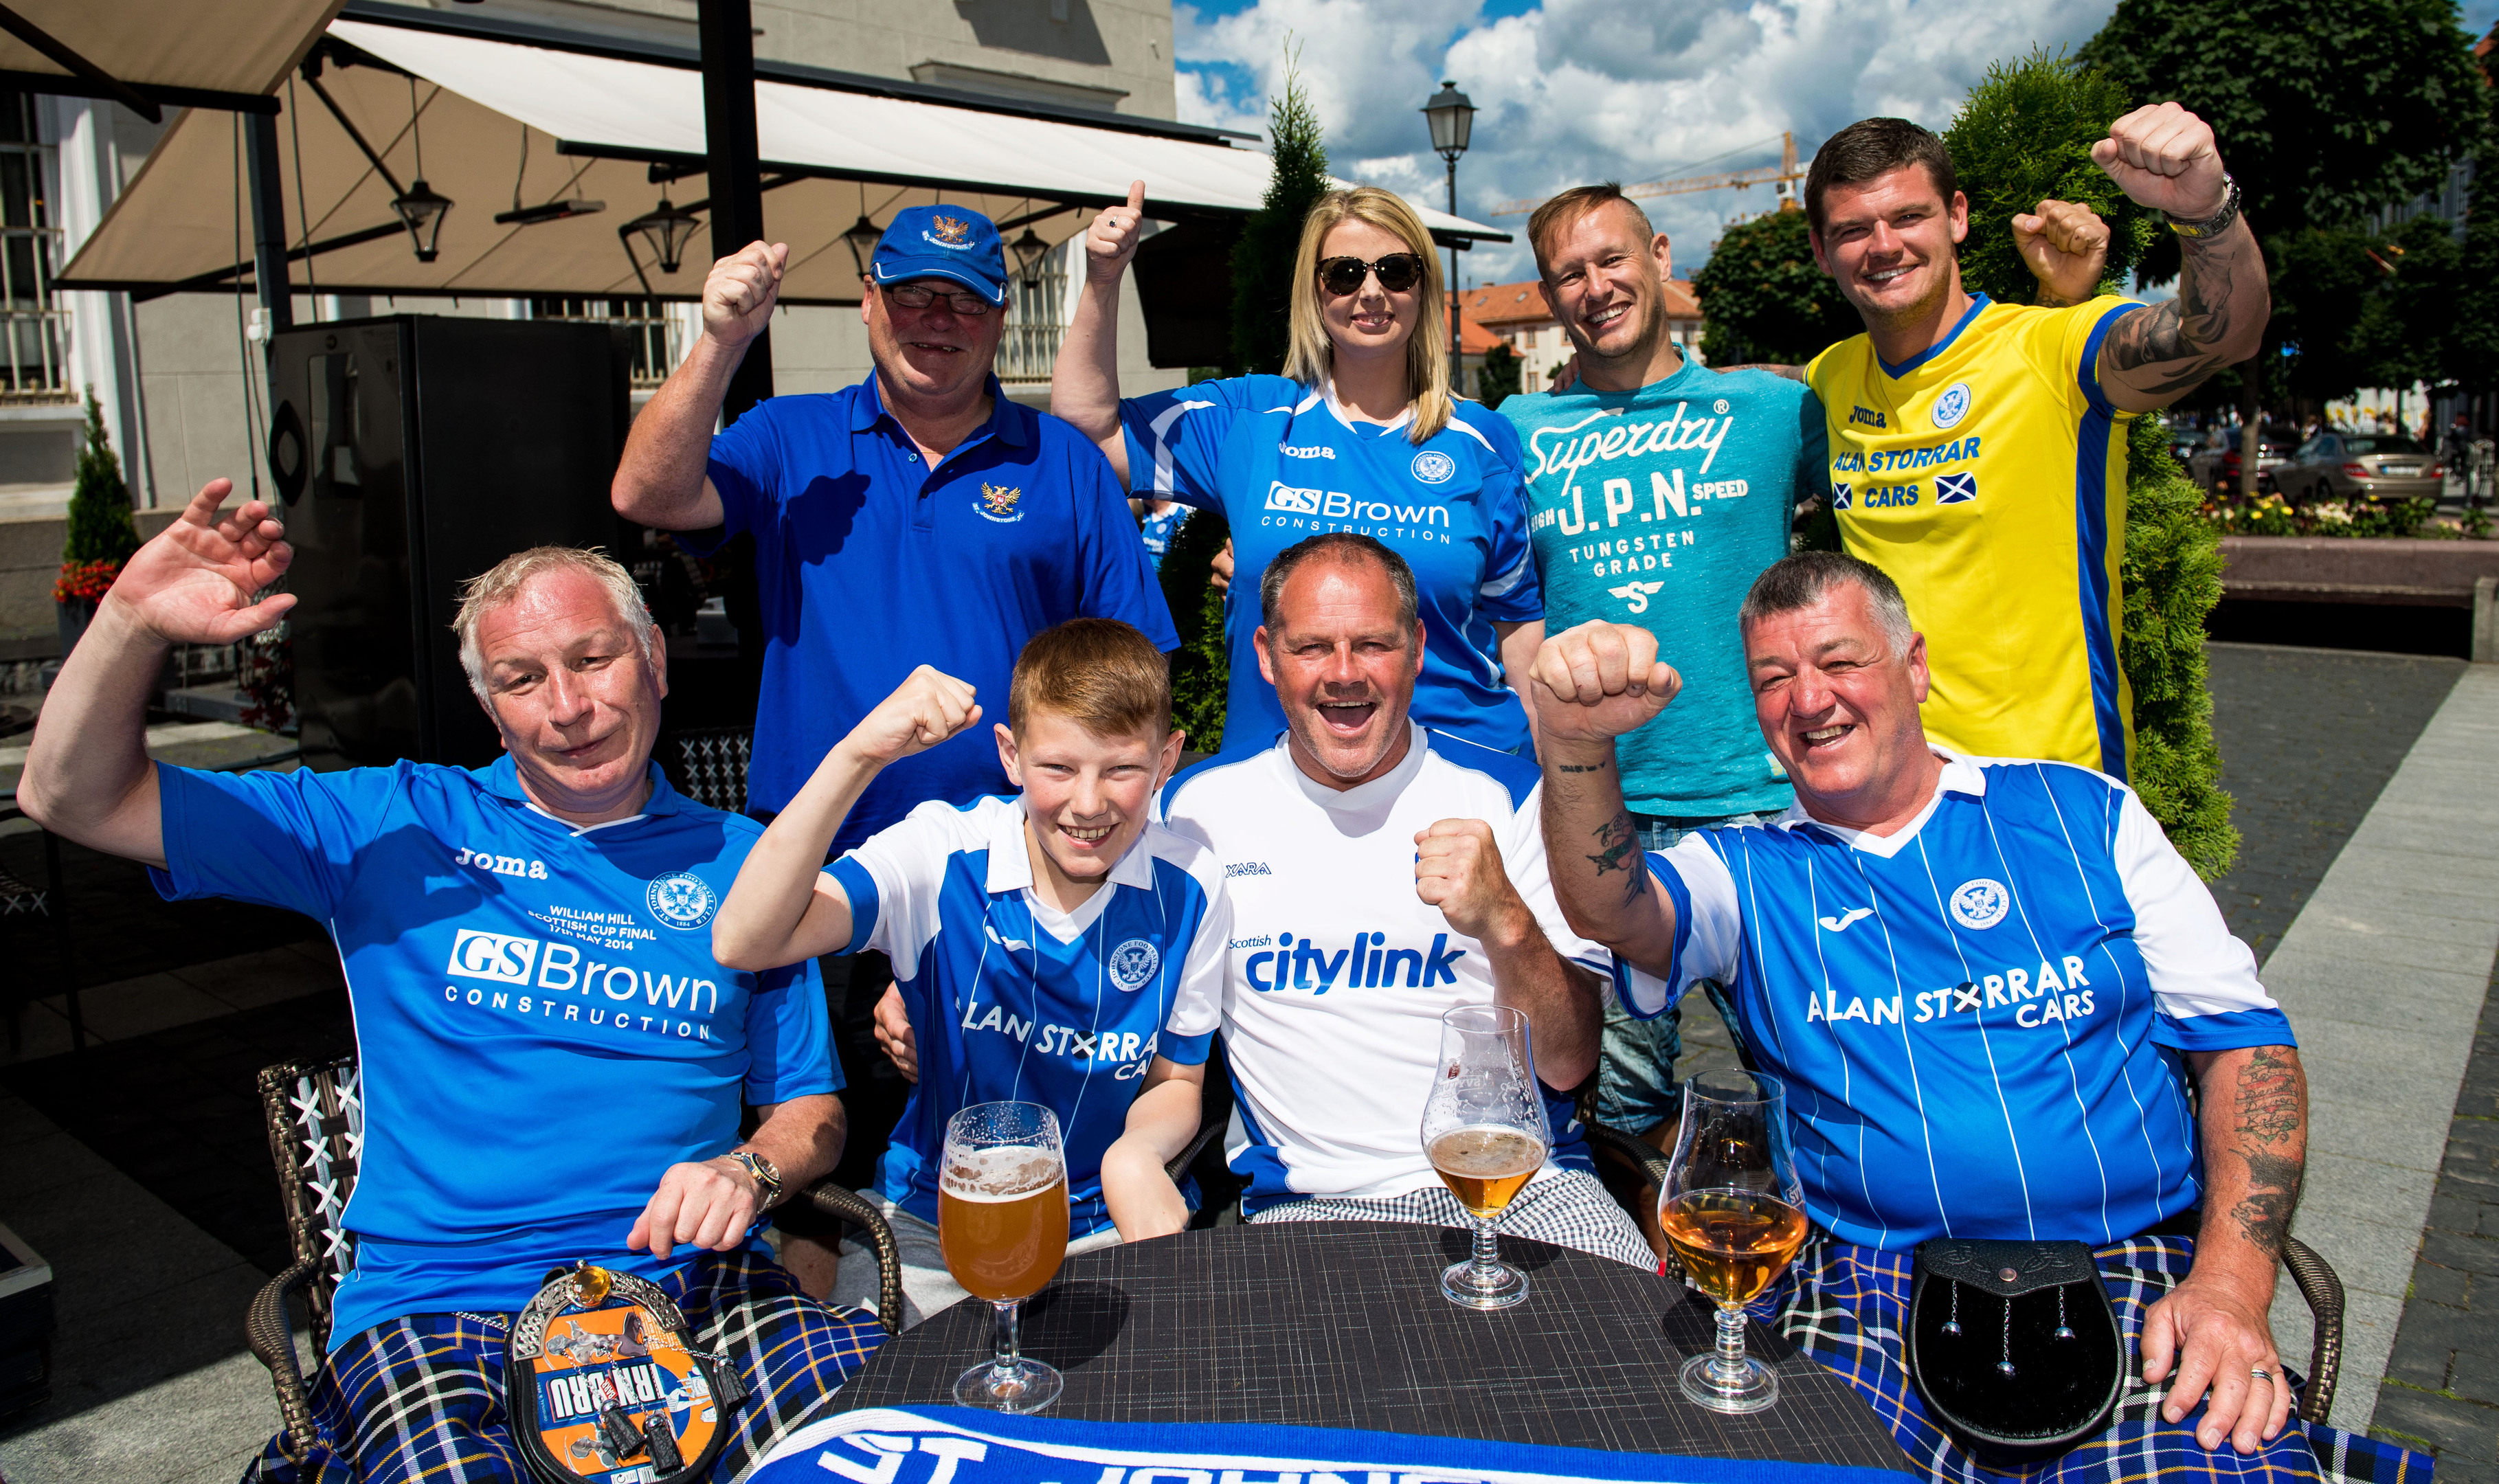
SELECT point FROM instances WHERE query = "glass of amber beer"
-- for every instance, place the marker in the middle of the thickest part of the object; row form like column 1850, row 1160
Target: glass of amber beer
column 1484, row 1130
column 1733, row 1210
column 1002, row 1224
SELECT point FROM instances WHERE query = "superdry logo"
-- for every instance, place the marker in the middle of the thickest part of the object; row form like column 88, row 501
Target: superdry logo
column 1369, row 964
column 1558, row 452
column 501, row 866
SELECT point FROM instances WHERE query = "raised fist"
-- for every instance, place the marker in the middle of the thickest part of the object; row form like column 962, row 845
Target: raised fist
column 1112, row 241
column 737, row 298
column 926, row 709
column 2066, row 246
column 2164, row 158
column 1598, row 681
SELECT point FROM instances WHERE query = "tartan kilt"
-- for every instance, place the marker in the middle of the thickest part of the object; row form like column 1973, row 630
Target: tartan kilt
column 421, row 1397
column 1847, row 1307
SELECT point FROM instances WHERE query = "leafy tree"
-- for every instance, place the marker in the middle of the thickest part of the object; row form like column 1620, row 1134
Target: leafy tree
column 1201, row 668
column 1262, row 259
column 1498, row 381
column 2024, row 136
column 1762, row 298
column 100, row 528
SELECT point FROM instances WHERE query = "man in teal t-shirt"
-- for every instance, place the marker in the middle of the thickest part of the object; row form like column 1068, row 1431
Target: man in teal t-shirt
column 1657, row 491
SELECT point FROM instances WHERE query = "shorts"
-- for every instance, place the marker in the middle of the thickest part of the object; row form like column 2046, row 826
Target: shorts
column 928, row 1288
column 1636, row 1085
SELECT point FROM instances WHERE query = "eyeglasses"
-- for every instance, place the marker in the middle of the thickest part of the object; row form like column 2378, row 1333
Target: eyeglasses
column 912, row 296
column 1397, row 271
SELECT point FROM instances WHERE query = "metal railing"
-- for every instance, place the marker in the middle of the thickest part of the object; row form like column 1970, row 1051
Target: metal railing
column 34, row 327
column 1033, row 327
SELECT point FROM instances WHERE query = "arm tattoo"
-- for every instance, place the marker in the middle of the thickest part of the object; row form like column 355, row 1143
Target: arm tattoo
column 1578, row 768
column 1618, row 849
column 2270, row 1106
column 2177, row 341
column 2050, row 298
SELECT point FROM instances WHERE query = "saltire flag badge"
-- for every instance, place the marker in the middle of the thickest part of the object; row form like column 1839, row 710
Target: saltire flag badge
column 605, row 1385
column 1956, row 489
column 1840, row 497
column 957, row 1445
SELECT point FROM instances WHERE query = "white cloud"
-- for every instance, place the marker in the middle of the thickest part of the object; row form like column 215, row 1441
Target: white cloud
column 1580, row 90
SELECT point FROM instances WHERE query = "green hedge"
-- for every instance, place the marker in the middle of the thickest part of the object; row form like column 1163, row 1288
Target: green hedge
column 2172, row 576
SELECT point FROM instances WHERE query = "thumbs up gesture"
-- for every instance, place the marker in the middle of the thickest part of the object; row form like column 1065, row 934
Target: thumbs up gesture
column 1112, row 241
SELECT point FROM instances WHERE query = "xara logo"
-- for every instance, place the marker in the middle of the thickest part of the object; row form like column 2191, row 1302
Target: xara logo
column 1369, row 964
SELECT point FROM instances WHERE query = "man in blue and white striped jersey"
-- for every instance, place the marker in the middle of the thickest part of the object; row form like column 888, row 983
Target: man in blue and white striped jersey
column 1983, row 981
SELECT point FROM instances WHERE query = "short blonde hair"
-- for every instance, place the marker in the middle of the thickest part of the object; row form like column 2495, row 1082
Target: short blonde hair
column 1102, row 673
column 503, row 582
column 1312, row 360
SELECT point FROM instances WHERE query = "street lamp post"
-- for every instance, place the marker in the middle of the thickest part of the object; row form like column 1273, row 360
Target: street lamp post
column 1452, row 120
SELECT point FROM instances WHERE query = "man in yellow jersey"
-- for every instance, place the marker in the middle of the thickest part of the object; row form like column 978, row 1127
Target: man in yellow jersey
column 1978, row 449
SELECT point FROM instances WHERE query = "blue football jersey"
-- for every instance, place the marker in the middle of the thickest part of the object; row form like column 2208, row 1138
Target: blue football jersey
column 543, row 1029
column 1980, row 1019
column 1283, row 461
column 1011, row 1000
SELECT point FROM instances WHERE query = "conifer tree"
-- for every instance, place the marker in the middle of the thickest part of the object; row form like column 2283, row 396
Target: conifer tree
column 1262, row 259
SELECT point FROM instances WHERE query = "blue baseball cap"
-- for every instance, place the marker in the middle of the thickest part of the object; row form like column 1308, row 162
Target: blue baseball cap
column 943, row 242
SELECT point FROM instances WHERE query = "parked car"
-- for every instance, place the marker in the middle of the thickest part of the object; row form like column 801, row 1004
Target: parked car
column 2218, row 470
column 2361, row 466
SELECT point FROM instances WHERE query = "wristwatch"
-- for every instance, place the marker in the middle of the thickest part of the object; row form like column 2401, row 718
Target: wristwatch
column 767, row 1178
column 2217, row 222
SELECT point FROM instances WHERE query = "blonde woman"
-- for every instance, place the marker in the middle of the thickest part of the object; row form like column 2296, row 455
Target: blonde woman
column 1361, row 433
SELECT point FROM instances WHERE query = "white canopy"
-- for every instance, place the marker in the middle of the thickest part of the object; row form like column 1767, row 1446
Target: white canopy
column 589, row 122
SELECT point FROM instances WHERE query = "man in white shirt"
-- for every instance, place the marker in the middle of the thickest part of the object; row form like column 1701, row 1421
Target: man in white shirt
column 1341, row 972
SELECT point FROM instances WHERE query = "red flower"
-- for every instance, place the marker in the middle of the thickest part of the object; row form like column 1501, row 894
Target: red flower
column 84, row 581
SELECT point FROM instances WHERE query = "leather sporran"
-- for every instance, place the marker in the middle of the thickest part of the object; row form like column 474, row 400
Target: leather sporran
column 605, row 1385
column 2014, row 1345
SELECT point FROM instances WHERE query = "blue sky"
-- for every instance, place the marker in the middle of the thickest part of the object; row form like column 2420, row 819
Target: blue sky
column 1587, row 89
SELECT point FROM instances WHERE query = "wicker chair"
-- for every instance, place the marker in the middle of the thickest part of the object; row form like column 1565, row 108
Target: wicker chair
column 314, row 1113
column 2313, row 1277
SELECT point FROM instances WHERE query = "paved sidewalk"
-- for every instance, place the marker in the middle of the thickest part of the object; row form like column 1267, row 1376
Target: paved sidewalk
column 2383, row 975
column 2442, row 1386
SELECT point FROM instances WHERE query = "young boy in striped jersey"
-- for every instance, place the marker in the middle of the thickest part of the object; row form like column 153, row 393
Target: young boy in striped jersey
column 1054, row 948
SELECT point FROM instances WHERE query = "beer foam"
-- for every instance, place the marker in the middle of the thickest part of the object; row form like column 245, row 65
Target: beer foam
column 1004, row 1172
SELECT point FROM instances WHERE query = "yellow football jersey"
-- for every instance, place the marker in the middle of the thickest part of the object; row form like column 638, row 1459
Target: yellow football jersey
column 1987, row 477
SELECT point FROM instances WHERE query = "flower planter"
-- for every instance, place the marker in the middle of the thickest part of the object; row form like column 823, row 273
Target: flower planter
column 2340, row 569
column 74, row 617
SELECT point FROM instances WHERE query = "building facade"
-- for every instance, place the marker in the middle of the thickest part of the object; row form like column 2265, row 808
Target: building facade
column 1514, row 314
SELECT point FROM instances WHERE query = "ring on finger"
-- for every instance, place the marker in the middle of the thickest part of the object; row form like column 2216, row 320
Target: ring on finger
column 2261, row 1374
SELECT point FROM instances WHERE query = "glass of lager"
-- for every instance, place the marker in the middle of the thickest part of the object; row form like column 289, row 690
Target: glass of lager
column 1734, row 1212
column 1484, row 1130
column 1002, row 1224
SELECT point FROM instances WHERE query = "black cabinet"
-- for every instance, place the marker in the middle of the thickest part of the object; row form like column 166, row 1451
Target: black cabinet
column 412, row 453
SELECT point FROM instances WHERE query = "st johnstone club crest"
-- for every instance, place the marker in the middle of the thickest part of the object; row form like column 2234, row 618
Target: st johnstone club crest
column 1433, row 467
column 1133, row 964
column 951, row 231
column 681, row 900
column 1980, row 903
column 1953, row 406
column 997, row 502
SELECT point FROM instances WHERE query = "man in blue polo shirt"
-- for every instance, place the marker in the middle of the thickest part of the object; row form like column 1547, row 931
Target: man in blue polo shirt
column 551, row 1060
column 921, row 516
column 1984, row 982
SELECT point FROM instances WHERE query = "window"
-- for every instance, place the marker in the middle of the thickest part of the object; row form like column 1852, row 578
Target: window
column 33, row 328
column 662, row 331
column 1036, row 320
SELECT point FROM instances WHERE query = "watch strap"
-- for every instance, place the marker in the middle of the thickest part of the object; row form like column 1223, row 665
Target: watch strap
column 2218, row 221
column 766, row 1178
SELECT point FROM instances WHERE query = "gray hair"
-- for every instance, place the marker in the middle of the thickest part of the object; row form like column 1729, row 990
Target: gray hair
column 1799, row 581
column 1346, row 548
column 503, row 582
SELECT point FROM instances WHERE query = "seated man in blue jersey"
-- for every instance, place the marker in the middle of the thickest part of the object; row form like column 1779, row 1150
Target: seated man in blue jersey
column 1381, row 874
column 1982, row 982
column 1054, row 948
column 552, row 1061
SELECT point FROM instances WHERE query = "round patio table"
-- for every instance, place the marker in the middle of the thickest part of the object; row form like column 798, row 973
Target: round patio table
column 1341, row 1324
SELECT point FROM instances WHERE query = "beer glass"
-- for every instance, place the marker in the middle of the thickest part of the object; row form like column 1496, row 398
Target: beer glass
column 1733, row 1210
column 1485, row 1129
column 1002, row 1225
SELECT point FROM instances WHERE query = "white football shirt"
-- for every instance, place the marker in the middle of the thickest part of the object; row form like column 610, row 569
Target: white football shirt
column 1341, row 972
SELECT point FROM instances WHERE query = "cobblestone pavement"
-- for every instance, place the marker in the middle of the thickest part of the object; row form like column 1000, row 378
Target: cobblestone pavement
column 2308, row 739
column 2442, row 1386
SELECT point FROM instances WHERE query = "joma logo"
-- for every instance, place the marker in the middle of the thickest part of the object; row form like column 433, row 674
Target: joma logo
column 502, row 865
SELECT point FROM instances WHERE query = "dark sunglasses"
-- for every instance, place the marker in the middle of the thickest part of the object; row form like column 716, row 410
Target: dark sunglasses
column 1397, row 271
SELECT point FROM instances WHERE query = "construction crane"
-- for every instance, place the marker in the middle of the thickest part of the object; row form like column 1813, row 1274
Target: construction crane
column 1782, row 176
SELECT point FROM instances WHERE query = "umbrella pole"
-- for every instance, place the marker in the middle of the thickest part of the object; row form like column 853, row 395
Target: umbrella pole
column 736, row 175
